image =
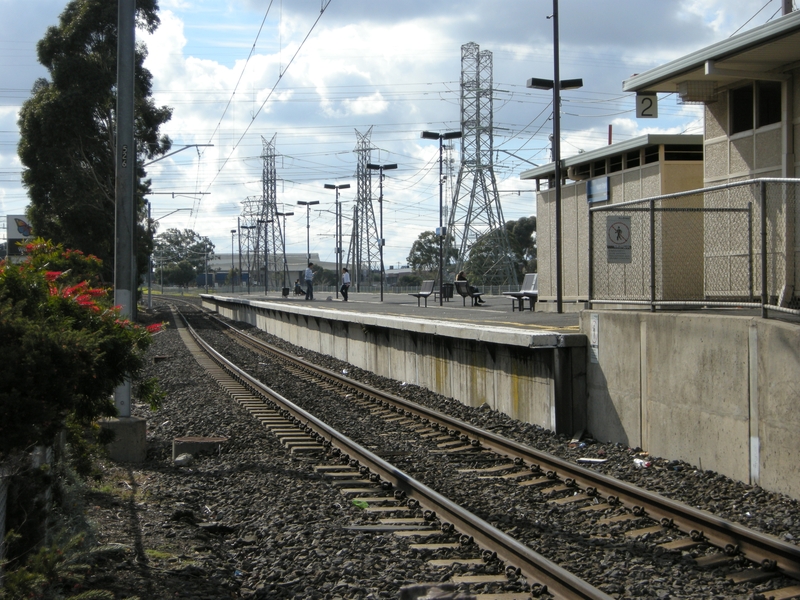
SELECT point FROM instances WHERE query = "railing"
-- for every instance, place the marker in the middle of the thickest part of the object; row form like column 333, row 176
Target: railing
column 728, row 245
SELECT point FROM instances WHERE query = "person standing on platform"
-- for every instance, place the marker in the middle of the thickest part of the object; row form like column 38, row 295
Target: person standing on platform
column 345, row 283
column 309, row 277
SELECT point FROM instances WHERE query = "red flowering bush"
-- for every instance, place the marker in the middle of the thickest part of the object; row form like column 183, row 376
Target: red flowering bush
column 64, row 347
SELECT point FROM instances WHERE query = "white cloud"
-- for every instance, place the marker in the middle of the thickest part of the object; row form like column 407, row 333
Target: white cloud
column 394, row 67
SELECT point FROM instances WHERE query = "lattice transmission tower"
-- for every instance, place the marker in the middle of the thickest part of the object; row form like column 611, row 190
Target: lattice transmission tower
column 274, row 242
column 364, row 252
column 476, row 228
column 261, row 236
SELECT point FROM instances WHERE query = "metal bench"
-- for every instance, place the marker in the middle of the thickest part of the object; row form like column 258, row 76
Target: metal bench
column 462, row 287
column 529, row 291
column 424, row 291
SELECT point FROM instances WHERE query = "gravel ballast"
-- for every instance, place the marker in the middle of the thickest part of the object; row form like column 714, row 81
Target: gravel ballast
column 255, row 521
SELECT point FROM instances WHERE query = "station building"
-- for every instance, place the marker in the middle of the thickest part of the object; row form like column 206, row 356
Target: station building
column 749, row 85
column 649, row 165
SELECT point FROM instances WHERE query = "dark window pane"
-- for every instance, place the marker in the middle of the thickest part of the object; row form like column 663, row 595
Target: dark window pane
column 683, row 152
column 632, row 159
column 769, row 103
column 650, row 154
column 615, row 163
column 741, row 104
column 599, row 167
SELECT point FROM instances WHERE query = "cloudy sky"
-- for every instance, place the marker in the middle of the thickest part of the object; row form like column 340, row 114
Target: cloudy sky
column 240, row 71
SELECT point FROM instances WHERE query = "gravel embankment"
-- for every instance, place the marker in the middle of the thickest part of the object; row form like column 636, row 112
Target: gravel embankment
column 254, row 521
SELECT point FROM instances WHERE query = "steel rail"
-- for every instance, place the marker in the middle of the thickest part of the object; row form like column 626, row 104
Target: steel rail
column 763, row 549
column 519, row 558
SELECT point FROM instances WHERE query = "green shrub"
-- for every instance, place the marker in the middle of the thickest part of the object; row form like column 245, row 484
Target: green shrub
column 64, row 347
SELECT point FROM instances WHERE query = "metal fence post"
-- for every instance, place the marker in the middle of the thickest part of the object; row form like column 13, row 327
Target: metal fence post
column 652, row 256
column 591, row 258
column 763, row 188
column 750, row 246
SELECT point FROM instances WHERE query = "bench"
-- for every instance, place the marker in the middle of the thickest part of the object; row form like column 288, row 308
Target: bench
column 462, row 287
column 424, row 291
column 529, row 291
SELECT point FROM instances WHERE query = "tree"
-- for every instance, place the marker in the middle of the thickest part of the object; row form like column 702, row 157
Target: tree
column 485, row 254
column 67, row 131
column 424, row 254
column 522, row 236
column 54, row 320
column 182, row 255
column 409, row 280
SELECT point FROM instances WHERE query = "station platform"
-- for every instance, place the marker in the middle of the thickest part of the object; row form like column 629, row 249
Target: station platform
column 713, row 387
column 497, row 310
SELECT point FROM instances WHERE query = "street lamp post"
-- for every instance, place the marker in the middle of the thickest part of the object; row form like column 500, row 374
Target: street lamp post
column 338, row 234
column 233, row 267
column 381, row 169
column 285, row 266
column 432, row 135
column 556, row 85
column 308, row 206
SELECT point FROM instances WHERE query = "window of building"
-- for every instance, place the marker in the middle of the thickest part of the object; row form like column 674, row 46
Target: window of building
column 741, row 109
column 583, row 171
column 756, row 104
column 599, row 167
column 632, row 159
column 768, row 103
column 615, row 164
column 650, row 155
column 683, row 152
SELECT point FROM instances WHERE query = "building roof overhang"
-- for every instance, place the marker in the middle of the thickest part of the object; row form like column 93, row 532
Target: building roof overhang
column 583, row 158
column 763, row 52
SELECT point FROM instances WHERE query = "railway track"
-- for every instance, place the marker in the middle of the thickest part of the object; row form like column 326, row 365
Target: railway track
column 374, row 478
column 752, row 557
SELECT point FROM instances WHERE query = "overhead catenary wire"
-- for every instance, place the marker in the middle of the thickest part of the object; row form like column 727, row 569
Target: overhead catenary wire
column 272, row 90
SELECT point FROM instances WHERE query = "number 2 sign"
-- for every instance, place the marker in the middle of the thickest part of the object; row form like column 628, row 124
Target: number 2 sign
column 646, row 106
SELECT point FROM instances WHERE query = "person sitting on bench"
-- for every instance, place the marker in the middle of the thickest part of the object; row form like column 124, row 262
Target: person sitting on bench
column 474, row 291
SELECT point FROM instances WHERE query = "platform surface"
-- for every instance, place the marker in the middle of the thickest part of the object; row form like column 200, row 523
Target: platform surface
column 497, row 310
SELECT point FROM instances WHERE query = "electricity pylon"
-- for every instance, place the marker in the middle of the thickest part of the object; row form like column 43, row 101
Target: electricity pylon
column 262, row 236
column 476, row 228
column 364, row 252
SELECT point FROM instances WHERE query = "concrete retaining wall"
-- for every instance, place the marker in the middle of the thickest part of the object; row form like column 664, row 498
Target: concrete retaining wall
column 720, row 392
column 538, row 378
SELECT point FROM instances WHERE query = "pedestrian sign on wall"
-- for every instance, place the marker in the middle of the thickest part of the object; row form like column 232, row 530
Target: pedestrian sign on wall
column 618, row 239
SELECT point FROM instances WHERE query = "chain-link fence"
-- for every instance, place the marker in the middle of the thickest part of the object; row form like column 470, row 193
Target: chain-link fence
column 708, row 247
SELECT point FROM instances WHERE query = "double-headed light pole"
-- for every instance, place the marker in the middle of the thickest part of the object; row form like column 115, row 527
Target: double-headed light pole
column 441, row 232
column 556, row 85
column 381, row 168
column 338, row 234
column 308, row 206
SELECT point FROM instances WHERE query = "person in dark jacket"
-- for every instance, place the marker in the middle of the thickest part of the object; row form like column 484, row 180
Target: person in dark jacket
column 309, row 277
column 474, row 291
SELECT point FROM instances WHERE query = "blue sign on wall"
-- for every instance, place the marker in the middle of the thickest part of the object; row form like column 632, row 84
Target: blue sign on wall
column 597, row 190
